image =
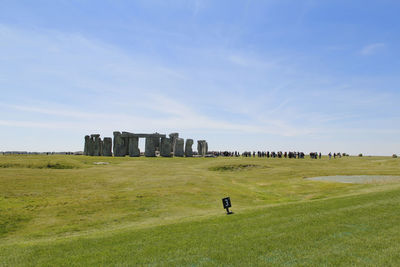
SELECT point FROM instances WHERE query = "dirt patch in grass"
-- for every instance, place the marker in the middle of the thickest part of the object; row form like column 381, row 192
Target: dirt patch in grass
column 237, row 167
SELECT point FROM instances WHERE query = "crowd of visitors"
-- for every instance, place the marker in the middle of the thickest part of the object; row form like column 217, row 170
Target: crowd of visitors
column 273, row 154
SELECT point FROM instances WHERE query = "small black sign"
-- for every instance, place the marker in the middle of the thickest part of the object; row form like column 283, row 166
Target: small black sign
column 226, row 202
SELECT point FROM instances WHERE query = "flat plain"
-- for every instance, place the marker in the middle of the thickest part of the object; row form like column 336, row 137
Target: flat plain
column 66, row 210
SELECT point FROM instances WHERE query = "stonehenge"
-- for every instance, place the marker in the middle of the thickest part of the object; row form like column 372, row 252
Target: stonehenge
column 127, row 144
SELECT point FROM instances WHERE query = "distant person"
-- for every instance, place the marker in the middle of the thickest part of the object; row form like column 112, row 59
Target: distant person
column 320, row 155
column 330, row 155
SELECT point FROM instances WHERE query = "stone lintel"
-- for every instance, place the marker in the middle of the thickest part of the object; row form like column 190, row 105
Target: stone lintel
column 142, row 135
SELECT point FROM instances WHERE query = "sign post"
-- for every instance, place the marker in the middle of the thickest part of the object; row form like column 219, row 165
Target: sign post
column 226, row 202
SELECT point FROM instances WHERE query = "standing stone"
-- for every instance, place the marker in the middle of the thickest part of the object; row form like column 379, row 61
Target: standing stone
column 86, row 148
column 125, row 136
column 101, row 148
column 173, row 137
column 119, row 146
column 188, row 148
column 199, row 147
column 96, row 147
column 202, row 147
column 150, row 150
column 156, row 142
column 165, row 148
column 91, row 146
column 134, row 147
column 179, row 144
column 107, row 143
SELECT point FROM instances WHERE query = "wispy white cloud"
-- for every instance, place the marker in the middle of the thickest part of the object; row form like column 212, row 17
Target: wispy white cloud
column 251, row 61
column 179, row 116
column 372, row 48
column 198, row 5
column 84, row 69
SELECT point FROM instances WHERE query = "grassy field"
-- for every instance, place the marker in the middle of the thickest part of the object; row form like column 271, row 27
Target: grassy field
column 65, row 210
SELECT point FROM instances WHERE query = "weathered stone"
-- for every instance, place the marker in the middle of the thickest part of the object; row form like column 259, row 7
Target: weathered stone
column 134, row 147
column 150, row 150
column 188, row 148
column 165, row 148
column 91, row 146
column 119, row 145
column 156, row 141
column 142, row 135
column 126, row 143
column 107, row 143
column 125, row 136
column 202, row 147
column 86, row 148
column 96, row 147
column 101, row 147
column 173, row 137
column 178, row 150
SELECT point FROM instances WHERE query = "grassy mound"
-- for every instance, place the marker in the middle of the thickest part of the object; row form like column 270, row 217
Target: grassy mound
column 333, row 232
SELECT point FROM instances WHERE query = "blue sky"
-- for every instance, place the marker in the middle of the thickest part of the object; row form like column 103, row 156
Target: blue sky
column 244, row 75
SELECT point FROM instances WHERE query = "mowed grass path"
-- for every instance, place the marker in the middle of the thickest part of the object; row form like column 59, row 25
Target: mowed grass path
column 169, row 212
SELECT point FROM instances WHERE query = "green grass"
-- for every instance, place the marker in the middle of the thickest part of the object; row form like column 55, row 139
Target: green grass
column 168, row 211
